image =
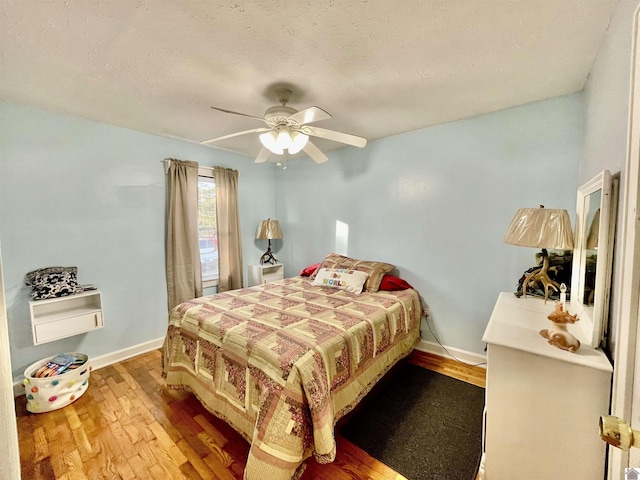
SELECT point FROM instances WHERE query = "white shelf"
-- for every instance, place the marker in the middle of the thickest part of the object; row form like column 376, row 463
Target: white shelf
column 56, row 318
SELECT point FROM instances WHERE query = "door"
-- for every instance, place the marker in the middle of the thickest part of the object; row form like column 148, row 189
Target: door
column 634, row 454
column 625, row 402
column 10, row 466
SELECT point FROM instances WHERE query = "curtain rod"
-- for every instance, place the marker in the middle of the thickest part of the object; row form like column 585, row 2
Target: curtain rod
column 167, row 164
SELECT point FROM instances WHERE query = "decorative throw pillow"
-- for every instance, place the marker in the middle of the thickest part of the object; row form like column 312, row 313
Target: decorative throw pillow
column 349, row 280
column 391, row 283
column 53, row 282
column 309, row 270
column 375, row 270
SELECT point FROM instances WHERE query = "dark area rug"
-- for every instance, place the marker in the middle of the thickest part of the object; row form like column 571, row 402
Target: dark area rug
column 424, row 425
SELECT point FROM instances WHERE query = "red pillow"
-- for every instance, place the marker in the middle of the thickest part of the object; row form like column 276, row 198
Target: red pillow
column 306, row 272
column 390, row 283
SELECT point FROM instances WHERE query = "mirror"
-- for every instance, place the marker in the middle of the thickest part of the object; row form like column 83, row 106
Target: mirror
column 589, row 254
column 592, row 256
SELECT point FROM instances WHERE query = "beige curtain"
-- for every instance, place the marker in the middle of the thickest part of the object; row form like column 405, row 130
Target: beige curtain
column 229, row 239
column 184, row 273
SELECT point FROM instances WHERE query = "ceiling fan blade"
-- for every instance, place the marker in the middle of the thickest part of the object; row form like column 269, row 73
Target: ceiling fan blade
column 231, row 135
column 262, row 156
column 315, row 153
column 337, row 136
column 237, row 113
column 309, row 115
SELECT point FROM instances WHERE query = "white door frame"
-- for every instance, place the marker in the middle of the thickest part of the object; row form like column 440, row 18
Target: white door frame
column 626, row 374
column 10, row 468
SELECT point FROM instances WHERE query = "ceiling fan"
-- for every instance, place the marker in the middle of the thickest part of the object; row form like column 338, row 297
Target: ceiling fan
column 288, row 130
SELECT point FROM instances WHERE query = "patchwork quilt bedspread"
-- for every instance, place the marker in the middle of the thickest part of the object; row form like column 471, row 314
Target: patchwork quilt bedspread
column 283, row 361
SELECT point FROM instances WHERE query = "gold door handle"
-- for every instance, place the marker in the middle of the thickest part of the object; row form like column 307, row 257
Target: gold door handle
column 618, row 433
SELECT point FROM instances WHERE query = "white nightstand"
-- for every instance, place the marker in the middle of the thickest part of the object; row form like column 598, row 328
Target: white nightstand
column 259, row 274
column 542, row 403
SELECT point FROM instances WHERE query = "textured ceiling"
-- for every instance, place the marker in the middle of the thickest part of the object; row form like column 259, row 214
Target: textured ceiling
column 380, row 67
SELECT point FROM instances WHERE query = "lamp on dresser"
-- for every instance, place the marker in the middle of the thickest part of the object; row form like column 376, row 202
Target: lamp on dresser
column 268, row 230
column 540, row 228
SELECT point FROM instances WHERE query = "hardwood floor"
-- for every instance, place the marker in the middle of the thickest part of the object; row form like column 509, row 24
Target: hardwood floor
column 129, row 425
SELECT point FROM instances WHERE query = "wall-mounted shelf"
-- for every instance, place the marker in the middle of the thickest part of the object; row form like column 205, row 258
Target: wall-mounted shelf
column 56, row 318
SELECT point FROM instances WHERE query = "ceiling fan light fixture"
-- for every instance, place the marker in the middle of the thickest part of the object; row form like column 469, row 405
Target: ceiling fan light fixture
column 284, row 138
column 298, row 142
column 283, row 141
column 270, row 141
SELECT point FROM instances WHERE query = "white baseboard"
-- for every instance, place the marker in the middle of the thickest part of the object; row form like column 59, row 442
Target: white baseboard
column 109, row 359
column 464, row 356
column 124, row 354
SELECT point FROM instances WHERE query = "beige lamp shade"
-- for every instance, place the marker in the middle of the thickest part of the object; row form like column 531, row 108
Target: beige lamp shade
column 541, row 228
column 268, row 230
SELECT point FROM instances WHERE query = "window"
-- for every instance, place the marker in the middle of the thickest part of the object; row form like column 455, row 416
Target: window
column 207, row 232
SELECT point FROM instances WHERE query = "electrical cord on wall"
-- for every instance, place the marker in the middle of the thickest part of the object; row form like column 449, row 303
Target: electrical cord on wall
column 427, row 316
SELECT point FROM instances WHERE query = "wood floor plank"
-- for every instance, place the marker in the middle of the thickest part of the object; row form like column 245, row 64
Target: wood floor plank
column 194, row 459
column 43, row 470
column 82, row 443
column 167, row 444
column 212, row 431
column 41, row 446
column 130, row 426
column 75, row 468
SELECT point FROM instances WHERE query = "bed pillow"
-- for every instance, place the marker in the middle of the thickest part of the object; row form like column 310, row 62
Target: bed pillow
column 309, row 270
column 349, row 280
column 391, row 283
column 375, row 270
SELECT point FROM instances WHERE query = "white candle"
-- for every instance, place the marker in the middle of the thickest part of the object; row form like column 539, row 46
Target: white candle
column 563, row 295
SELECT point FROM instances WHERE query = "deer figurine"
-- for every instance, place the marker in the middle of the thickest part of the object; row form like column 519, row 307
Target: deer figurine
column 557, row 335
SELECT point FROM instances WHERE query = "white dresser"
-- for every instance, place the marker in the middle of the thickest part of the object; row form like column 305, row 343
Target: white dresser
column 542, row 403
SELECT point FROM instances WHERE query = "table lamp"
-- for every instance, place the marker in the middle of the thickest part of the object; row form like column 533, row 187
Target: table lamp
column 268, row 230
column 540, row 228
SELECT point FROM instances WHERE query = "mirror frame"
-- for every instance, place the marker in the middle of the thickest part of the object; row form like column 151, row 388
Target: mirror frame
column 593, row 319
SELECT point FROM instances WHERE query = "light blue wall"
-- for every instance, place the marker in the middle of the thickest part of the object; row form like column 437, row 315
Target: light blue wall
column 436, row 203
column 606, row 96
column 81, row 193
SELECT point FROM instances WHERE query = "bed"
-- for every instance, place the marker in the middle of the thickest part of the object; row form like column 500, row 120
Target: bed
column 283, row 361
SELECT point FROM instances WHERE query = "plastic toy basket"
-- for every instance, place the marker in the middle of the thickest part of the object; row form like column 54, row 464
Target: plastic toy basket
column 51, row 393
